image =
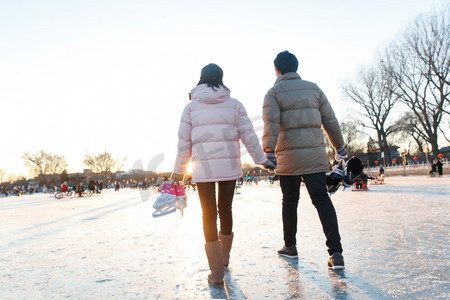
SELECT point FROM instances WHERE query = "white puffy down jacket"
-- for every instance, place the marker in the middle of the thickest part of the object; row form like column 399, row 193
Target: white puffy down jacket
column 211, row 126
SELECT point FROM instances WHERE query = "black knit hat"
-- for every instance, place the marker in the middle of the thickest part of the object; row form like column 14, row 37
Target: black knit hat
column 212, row 75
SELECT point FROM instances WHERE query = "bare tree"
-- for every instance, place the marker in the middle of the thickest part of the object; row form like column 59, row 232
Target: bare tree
column 352, row 136
column 372, row 151
column 372, row 91
column 409, row 128
column 429, row 38
column 44, row 165
column 443, row 133
column 11, row 177
column 419, row 63
column 246, row 167
column 104, row 164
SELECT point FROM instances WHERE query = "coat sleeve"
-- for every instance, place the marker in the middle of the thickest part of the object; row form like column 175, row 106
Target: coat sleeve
column 271, row 118
column 329, row 122
column 184, row 143
column 248, row 136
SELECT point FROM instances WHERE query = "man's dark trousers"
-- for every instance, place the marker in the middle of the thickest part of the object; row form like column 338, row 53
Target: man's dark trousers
column 316, row 186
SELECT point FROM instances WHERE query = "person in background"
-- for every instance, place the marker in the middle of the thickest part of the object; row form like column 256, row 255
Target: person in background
column 79, row 189
column 211, row 126
column 91, row 185
column 381, row 173
column 439, row 167
column 159, row 181
column 432, row 170
column 64, row 187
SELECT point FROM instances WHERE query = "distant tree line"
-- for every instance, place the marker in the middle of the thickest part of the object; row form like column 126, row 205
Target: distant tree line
column 50, row 169
column 104, row 164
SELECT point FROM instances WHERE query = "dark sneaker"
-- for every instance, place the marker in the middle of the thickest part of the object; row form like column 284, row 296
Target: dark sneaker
column 336, row 261
column 290, row 252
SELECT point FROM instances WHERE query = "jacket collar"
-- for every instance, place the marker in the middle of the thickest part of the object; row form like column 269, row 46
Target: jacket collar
column 288, row 76
column 203, row 93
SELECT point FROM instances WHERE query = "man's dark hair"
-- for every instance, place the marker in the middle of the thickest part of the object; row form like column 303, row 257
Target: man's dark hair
column 286, row 62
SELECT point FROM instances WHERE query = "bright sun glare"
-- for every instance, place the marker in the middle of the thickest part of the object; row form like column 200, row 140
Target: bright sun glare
column 189, row 168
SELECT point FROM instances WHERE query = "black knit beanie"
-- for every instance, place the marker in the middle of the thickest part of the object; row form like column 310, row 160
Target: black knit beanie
column 212, row 75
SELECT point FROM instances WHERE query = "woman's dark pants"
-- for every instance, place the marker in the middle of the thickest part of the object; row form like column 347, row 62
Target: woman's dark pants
column 207, row 194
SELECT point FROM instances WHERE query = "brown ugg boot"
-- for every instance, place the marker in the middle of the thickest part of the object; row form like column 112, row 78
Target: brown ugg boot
column 215, row 259
column 227, row 241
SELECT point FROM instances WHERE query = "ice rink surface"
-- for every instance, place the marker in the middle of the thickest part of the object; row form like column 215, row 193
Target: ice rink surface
column 395, row 238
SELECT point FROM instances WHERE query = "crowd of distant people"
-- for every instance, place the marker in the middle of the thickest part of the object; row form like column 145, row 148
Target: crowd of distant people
column 250, row 179
column 31, row 188
column 17, row 190
column 97, row 186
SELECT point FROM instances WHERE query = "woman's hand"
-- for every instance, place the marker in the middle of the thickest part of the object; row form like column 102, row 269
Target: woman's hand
column 268, row 164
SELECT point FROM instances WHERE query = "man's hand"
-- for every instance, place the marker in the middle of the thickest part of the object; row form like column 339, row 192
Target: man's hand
column 272, row 158
column 341, row 153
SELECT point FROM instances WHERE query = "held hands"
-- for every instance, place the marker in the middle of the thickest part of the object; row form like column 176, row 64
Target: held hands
column 176, row 177
column 341, row 153
column 271, row 162
column 269, row 165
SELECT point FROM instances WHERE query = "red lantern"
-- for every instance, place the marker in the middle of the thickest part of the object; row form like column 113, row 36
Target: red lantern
column 415, row 158
column 394, row 160
column 440, row 155
column 377, row 162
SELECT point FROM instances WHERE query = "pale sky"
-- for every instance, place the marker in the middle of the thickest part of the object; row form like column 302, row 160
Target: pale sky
column 90, row 76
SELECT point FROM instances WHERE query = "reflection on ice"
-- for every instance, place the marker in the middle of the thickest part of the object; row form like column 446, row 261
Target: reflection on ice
column 232, row 287
column 230, row 290
column 338, row 284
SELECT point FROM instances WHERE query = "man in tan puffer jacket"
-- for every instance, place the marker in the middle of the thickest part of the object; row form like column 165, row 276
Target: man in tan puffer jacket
column 295, row 113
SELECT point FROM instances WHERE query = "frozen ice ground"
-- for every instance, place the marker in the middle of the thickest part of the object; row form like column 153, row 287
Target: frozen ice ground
column 395, row 239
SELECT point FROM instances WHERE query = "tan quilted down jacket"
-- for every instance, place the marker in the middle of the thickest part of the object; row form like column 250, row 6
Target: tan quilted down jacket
column 294, row 113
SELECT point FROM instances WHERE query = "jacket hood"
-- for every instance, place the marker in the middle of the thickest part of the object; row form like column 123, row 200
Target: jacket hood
column 203, row 93
column 288, row 76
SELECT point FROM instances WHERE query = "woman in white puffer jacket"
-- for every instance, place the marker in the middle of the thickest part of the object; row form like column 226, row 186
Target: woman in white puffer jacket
column 211, row 126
